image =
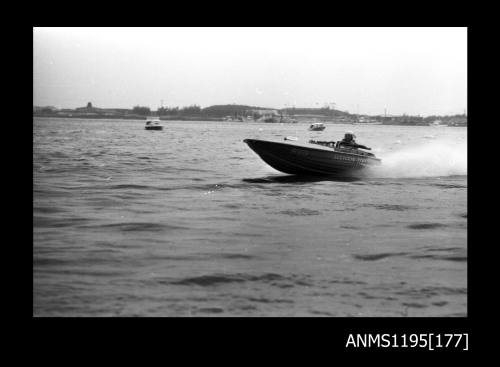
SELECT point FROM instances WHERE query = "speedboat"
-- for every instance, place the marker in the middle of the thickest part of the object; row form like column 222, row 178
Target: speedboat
column 317, row 126
column 313, row 158
column 153, row 124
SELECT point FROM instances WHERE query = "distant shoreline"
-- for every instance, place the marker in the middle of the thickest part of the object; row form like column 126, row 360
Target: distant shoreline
column 245, row 113
column 215, row 119
column 124, row 117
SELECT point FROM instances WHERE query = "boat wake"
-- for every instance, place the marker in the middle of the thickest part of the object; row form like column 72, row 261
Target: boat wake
column 435, row 159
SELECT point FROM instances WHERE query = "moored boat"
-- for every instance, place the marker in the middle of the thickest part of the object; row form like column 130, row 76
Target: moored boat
column 317, row 126
column 313, row 158
column 153, row 124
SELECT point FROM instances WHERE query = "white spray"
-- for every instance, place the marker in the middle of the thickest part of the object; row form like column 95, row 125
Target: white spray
column 430, row 159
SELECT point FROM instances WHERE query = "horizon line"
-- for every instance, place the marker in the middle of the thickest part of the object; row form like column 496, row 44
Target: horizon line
column 261, row 107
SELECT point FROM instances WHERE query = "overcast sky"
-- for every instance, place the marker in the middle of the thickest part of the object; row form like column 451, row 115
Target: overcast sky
column 406, row 70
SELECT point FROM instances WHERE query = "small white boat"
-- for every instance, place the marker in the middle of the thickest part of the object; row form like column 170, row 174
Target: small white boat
column 153, row 124
column 317, row 126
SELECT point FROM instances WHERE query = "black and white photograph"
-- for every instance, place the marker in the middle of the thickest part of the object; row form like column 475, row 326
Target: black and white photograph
column 291, row 172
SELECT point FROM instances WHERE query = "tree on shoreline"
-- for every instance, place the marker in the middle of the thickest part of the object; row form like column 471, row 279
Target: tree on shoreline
column 140, row 110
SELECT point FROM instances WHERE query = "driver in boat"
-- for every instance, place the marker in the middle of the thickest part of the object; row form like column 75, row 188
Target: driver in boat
column 350, row 142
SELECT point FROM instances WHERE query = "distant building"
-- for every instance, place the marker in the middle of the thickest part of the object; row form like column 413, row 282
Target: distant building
column 458, row 121
column 89, row 108
column 263, row 112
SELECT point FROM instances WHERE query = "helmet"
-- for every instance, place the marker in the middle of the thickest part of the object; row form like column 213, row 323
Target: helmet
column 349, row 134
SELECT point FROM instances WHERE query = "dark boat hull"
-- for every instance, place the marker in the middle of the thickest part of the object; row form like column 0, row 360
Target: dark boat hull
column 301, row 160
column 154, row 127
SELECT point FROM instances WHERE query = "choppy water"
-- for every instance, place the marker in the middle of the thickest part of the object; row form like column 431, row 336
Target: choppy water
column 189, row 221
